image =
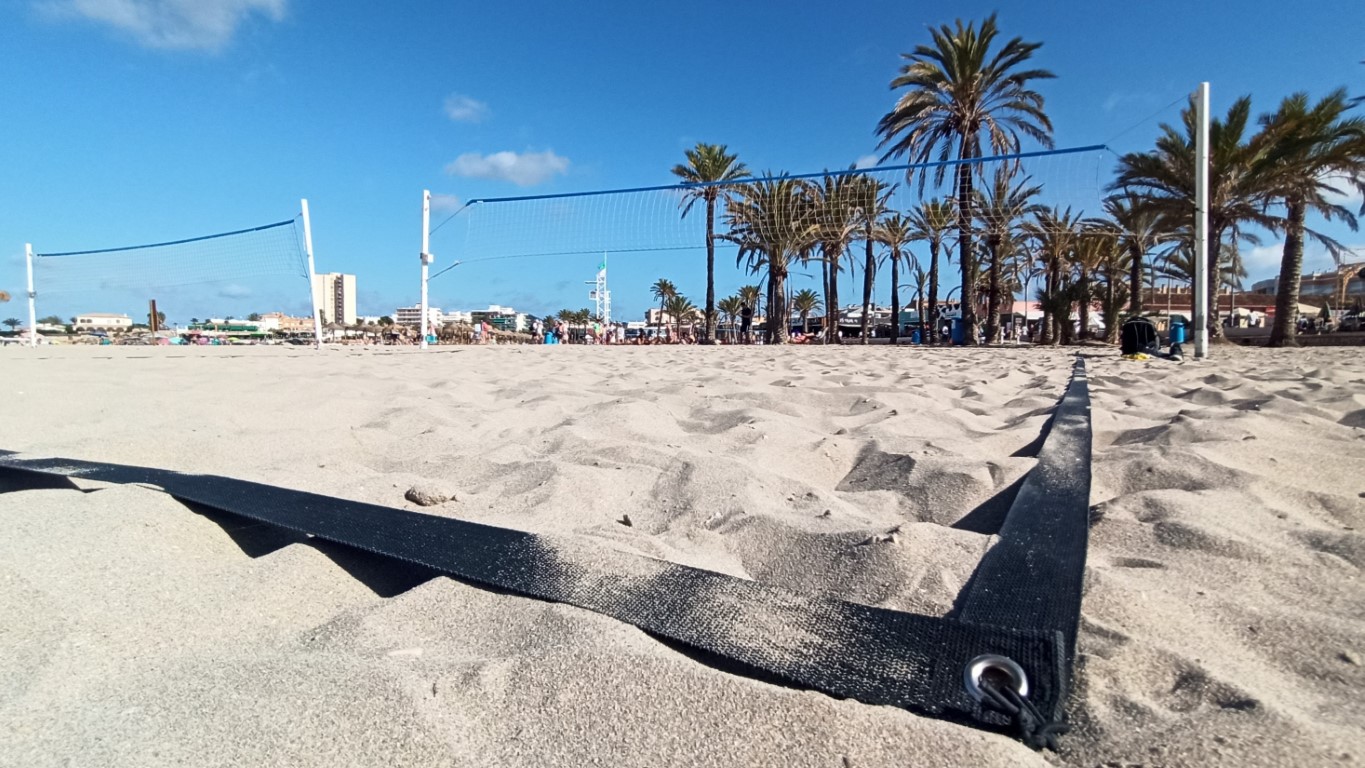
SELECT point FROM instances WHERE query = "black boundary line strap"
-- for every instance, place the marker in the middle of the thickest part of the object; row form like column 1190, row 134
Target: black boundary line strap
column 1033, row 576
column 1023, row 603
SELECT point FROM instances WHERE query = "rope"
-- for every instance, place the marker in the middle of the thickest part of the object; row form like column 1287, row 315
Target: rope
column 1031, row 726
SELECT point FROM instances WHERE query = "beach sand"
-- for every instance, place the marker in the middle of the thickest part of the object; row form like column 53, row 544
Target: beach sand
column 1223, row 622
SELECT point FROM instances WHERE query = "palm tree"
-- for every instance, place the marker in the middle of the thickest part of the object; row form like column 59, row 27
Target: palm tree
column 1141, row 228
column 1312, row 147
column 663, row 290
column 895, row 232
column 774, row 223
column 932, row 221
column 708, row 167
column 1056, row 301
column 1237, row 180
column 805, row 302
column 836, row 203
column 1177, row 264
column 751, row 295
column 921, row 279
column 870, row 196
column 1055, row 231
column 730, row 307
column 12, row 322
column 680, row 308
column 1097, row 250
column 1002, row 205
column 959, row 93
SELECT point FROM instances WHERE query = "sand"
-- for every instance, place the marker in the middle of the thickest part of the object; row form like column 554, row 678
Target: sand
column 1223, row 623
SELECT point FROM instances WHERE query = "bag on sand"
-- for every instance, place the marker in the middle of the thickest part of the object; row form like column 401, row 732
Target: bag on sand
column 1138, row 336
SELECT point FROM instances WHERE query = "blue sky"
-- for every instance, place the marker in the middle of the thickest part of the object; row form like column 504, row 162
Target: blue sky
column 131, row 121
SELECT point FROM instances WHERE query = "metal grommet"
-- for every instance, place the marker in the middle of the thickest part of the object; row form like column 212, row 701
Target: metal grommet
column 979, row 666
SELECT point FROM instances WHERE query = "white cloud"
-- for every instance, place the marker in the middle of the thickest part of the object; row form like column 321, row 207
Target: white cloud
column 525, row 169
column 464, row 109
column 234, row 291
column 445, row 203
column 1129, row 101
column 866, row 161
column 1346, row 195
column 174, row 24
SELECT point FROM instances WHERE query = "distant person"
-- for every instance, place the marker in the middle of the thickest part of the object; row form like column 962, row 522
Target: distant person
column 746, row 323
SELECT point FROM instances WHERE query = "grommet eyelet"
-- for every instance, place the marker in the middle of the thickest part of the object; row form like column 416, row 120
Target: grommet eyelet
column 979, row 666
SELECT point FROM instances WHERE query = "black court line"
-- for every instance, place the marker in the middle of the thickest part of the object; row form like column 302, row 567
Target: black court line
column 1023, row 602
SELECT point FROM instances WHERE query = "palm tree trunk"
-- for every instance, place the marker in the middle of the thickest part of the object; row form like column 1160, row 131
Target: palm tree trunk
column 824, row 287
column 772, row 298
column 964, row 245
column 1045, row 322
column 1285, row 331
column 869, row 271
column 993, row 301
column 932, row 336
column 1135, row 280
column 895, row 296
column 709, row 335
column 777, row 306
column 832, row 298
column 1051, row 327
column 1112, row 326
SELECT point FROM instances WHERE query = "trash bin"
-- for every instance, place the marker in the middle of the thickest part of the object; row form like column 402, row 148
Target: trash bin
column 915, row 336
column 959, row 332
column 1177, row 332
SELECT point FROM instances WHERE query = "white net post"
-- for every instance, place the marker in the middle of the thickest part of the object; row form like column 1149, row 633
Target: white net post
column 312, row 272
column 32, row 298
column 1201, row 223
column 426, row 259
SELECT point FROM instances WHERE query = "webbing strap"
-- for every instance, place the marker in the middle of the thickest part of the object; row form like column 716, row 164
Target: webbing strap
column 873, row 655
column 1033, row 576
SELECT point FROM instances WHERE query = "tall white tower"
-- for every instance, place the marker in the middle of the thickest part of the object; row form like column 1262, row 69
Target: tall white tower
column 600, row 294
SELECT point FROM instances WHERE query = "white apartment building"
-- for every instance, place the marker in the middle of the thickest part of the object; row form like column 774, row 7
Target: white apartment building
column 279, row 321
column 520, row 323
column 413, row 316
column 103, row 321
column 334, row 294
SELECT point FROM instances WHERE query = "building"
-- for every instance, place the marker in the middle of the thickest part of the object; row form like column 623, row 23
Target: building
column 279, row 321
column 334, row 295
column 457, row 316
column 102, row 321
column 1323, row 288
column 502, row 318
column 412, row 316
column 1180, row 300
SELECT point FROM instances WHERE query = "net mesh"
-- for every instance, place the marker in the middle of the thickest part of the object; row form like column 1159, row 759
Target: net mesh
column 650, row 219
column 265, row 263
column 566, row 235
